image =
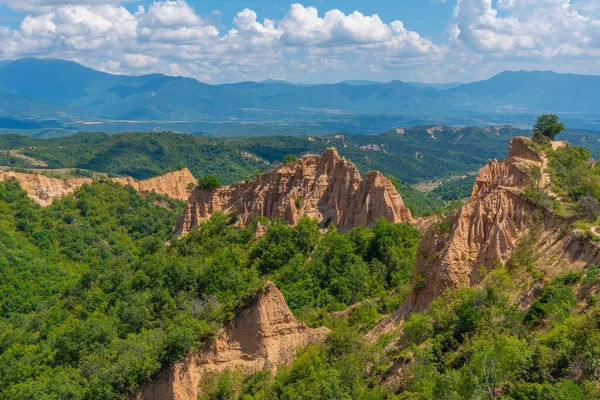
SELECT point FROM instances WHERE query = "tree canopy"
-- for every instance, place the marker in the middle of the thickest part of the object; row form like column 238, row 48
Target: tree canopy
column 290, row 159
column 209, row 182
column 547, row 126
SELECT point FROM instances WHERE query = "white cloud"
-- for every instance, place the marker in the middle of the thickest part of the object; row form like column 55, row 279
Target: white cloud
column 527, row 28
column 138, row 61
column 81, row 27
column 169, row 13
column 45, row 6
column 170, row 37
column 302, row 26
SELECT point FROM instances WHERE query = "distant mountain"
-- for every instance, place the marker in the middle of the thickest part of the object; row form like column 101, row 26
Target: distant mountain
column 537, row 91
column 439, row 86
column 361, row 83
column 55, row 81
column 270, row 81
column 37, row 89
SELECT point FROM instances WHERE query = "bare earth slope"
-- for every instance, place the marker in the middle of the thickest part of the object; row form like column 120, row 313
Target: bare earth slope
column 328, row 188
column 43, row 189
column 262, row 336
column 487, row 229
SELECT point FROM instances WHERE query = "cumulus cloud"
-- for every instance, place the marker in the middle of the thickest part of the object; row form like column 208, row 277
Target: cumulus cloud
column 533, row 28
column 80, row 27
column 44, row 6
column 137, row 61
column 169, row 36
column 302, row 26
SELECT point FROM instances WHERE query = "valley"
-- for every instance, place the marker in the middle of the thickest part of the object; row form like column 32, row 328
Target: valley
column 265, row 200
column 292, row 281
column 53, row 97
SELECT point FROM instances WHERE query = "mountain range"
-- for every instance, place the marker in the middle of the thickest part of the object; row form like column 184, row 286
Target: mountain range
column 51, row 94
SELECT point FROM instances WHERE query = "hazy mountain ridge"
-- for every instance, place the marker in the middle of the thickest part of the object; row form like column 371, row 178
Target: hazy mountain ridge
column 69, row 92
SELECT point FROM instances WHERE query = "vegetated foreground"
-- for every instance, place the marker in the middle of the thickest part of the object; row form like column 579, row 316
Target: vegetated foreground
column 99, row 295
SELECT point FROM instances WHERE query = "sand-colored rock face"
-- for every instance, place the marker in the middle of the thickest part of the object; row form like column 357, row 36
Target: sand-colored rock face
column 43, row 189
column 326, row 187
column 173, row 184
column 262, row 336
column 483, row 232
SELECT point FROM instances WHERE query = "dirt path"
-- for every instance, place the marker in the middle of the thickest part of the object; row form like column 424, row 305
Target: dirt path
column 596, row 230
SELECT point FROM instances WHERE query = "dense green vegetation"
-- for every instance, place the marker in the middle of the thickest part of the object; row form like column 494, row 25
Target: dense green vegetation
column 455, row 189
column 471, row 344
column 575, row 183
column 140, row 155
column 92, row 301
column 209, row 182
column 574, row 173
column 410, row 157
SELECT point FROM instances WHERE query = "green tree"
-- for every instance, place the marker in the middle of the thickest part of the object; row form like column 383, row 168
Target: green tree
column 209, row 182
column 290, row 159
column 547, row 127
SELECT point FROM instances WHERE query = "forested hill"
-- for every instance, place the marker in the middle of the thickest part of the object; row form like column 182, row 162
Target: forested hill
column 413, row 155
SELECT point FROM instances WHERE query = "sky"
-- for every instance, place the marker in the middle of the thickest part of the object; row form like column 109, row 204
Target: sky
column 310, row 42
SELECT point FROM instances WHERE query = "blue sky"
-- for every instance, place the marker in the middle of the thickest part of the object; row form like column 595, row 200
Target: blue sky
column 321, row 41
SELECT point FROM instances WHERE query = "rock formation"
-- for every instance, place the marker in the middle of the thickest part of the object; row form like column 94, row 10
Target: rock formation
column 262, row 336
column 328, row 188
column 485, row 231
column 44, row 189
column 173, row 184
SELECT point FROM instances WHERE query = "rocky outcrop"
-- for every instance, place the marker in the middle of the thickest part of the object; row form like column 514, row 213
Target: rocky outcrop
column 261, row 337
column 44, row 189
column 483, row 232
column 173, row 184
column 328, row 188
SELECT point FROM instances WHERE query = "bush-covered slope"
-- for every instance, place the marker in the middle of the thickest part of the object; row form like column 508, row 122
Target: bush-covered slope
column 92, row 301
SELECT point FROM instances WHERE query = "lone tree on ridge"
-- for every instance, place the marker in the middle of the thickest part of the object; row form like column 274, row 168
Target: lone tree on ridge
column 547, row 127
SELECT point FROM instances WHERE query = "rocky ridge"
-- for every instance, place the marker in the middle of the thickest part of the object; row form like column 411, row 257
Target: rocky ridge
column 44, row 189
column 457, row 251
column 328, row 188
column 262, row 336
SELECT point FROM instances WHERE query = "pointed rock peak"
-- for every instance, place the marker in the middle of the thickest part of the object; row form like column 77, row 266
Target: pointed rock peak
column 331, row 154
column 521, row 147
column 327, row 188
column 263, row 335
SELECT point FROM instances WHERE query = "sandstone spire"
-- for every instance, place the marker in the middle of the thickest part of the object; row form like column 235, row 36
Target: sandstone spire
column 328, row 188
column 483, row 232
column 262, row 336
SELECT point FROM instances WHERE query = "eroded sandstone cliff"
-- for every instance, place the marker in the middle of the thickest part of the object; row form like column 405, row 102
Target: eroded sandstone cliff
column 262, row 336
column 173, row 184
column 328, row 188
column 485, row 231
column 44, row 189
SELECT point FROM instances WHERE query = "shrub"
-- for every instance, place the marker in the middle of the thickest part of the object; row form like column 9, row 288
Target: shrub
column 588, row 207
column 290, row 159
column 209, row 182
